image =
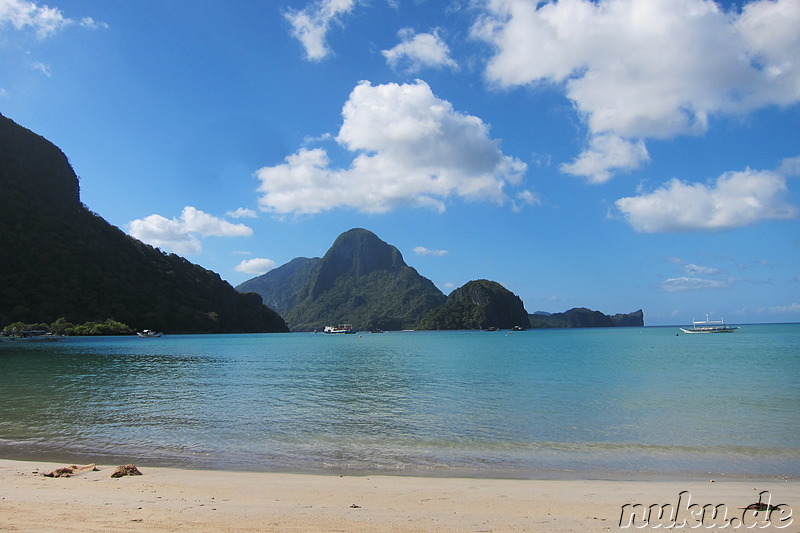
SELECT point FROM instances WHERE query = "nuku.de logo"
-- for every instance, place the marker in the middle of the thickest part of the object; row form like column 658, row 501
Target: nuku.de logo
column 685, row 514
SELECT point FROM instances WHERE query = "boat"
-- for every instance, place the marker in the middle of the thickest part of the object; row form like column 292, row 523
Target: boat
column 341, row 328
column 37, row 336
column 148, row 334
column 710, row 326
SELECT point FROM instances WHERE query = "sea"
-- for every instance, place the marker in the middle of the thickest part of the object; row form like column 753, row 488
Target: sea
column 538, row 404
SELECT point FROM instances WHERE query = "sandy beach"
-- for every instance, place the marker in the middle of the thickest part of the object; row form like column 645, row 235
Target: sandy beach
column 165, row 499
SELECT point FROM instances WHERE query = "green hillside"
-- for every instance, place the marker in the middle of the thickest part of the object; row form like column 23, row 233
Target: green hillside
column 361, row 280
column 61, row 260
column 479, row 304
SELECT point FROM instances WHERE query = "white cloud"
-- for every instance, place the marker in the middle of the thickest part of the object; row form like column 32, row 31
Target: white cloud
column 197, row 221
column 419, row 50
column 256, row 265
column 22, row 14
column 607, row 153
column 242, row 212
column 310, row 25
column 41, row 67
column 89, row 22
column 735, row 199
column 179, row 235
column 421, row 250
column 697, row 269
column 166, row 234
column 411, row 149
column 43, row 20
column 637, row 70
column 525, row 198
column 790, row 167
column 693, row 284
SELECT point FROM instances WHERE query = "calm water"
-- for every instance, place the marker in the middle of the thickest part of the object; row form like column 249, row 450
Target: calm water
column 538, row 403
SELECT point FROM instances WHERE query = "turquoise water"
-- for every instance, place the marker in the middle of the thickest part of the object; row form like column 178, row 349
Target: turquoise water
column 540, row 403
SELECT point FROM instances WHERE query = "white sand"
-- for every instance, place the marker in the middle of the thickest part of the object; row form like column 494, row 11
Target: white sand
column 165, row 499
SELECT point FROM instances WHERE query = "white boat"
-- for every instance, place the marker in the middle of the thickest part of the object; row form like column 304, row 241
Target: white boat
column 341, row 328
column 710, row 326
column 148, row 334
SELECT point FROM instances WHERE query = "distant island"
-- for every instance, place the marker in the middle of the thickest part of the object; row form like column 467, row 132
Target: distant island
column 364, row 281
column 586, row 318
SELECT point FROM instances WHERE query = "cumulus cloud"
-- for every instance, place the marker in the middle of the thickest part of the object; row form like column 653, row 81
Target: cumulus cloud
column 735, row 199
column 410, row 149
column 421, row 250
column 257, row 265
column 640, row 70
column 22, row 14
column 419, row 50
column 44, row 21
column 180, row 235
column 605, row 155
column 310, row 25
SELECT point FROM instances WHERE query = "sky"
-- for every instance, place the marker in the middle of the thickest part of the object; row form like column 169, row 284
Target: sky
column 610, row 154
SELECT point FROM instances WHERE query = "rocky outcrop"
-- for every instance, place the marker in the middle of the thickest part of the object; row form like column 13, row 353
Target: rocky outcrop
column 581, row 317
column 479, row 304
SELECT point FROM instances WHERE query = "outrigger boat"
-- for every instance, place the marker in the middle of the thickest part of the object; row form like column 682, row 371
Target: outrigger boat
column 341, row 328
column 710, row 326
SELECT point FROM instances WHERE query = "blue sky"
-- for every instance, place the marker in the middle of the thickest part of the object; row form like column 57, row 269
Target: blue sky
column 617, row 154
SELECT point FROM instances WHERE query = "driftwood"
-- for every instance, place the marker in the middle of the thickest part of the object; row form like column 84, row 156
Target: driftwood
column 126, row 470
column 761, row 506
column 68, row 471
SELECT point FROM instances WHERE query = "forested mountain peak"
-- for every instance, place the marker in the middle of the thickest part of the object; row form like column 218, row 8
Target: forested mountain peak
column 360, row 280
column 479, row 304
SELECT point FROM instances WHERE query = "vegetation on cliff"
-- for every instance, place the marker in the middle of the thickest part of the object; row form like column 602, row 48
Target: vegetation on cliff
column 361, row 280
column 581, row 317
column 61, row 260
column 63, row 327
column 479, row 304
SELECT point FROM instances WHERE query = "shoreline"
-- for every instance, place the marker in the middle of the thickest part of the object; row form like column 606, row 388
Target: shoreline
column 175, row 499
column 521, row 474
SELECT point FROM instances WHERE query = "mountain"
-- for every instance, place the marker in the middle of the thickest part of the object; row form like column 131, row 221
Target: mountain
column 581, row 317
column 361, row 280
column 479, row 304
column 61, row 260
column 280, row 287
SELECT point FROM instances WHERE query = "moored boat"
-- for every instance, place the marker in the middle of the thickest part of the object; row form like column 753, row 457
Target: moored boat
column 148, row 334
column 341, row 328
column 37, row 336
column 710, row 326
